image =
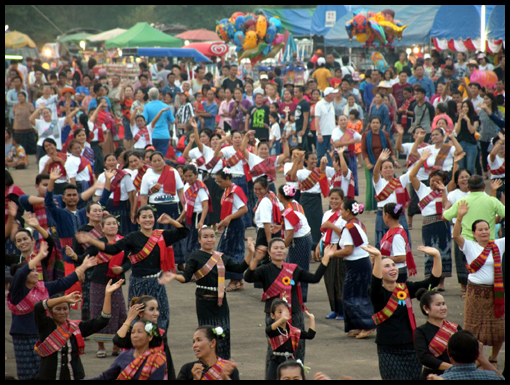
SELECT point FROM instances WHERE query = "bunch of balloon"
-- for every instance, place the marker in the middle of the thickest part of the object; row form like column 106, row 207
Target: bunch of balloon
column 256, row 37
column 487, row 79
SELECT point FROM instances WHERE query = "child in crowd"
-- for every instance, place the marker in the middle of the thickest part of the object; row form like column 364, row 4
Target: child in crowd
column 357, row 125
column 275, row 134
column 290, row 131
column 199, row 107
column 16, row 157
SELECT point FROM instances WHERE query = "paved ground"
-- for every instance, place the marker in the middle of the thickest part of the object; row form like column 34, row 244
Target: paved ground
column 330, row 352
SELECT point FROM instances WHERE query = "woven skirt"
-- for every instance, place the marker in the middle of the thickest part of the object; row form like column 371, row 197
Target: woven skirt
column 312, row 205
column 370, row 202
column 85, row 286
column 118, row 311
column 358, row 309
column 479, row 315
column 174, row 210
column 210, row 314
column 232, row 244
column 437, row 234
column 299, row 254
column 216, row 193
column 399, row 363
column 27, row 360
column 381, row 229
column 149, row 286
column 334, row 278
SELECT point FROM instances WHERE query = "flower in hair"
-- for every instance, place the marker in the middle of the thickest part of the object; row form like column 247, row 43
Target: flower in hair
column 305, row 368
column 397, row 208
column 219, row 332
column 227, row 171
column 355, row 208
column 289, row 191
column 151, row 329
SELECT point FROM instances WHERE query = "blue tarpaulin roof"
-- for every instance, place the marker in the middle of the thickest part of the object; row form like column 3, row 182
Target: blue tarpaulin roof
column 173, row 52
column 425, row 22
column 497, row 23
column 297, row 21
column 319, row 18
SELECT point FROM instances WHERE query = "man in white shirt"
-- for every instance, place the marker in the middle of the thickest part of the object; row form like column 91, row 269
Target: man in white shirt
column 325, row 123
column 49, row 100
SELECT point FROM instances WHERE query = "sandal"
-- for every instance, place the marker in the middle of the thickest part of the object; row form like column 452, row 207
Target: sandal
column 235, row 287
column 101, row 354
column 364, row 334
column 339, row 318
column 331, row 316
column 464, row 294
column 354, row 333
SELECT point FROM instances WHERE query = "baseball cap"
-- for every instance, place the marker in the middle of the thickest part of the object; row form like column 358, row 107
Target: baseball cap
column 258, row 91
column 427, row 56
column 356, row 77
column 481, row 56
column 321, row 61
column 329, row 91
column 473, row 62
column 264, row 77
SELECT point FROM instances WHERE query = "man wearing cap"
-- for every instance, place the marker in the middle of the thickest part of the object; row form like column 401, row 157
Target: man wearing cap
column 465, row 83
column 424, row 82
column 325, row 122
column 427, row 65
column 322, row 74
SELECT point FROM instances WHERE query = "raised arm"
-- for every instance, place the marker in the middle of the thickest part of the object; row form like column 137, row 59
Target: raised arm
column 286, row 151
column 158, row 116
column 462, row 210
column 93, row 118
column 497, row 147
column 343, row 163
column 70, row 116
column 400, row 138
column 13, row 211
column 418, row 142
column 324, row 164
column 385, row 155
column 452, row 185
column 36, row 114
column 244, row 145
column 217, row 151
column 188, row 148
column 198, row 142
column 456, row 144
column 413, row 176
column 296, row 166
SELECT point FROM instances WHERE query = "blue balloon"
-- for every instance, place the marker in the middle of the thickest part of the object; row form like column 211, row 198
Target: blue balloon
column 270, row 34
column 230, row 29
column 239, row 38
column 240, row 23
column 277, row 23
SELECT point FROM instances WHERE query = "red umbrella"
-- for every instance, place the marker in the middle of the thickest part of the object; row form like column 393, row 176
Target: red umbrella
column 199, row 34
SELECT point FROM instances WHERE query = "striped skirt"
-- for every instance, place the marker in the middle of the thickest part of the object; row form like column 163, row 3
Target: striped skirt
column 299, row 254
column 381, row 229
column 27, row 360
column 399, row 363
column 123, row 214
column 118, row 311
column 460, row 265
column 150, row 286
column 232, row 244
column 370, row 202
column 210, row 314
column 437, row 234
column 312, row 205
column 479, row 315
column 358, row 309
column 174, row 210
column 334, row 280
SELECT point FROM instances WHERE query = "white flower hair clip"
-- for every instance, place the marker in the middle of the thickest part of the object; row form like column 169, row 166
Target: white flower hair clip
column 227, row 171
column 218, row 331
column 289, row 191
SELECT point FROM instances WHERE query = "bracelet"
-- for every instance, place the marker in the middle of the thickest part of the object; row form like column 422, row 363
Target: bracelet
column 128, row 325
column 104, row 315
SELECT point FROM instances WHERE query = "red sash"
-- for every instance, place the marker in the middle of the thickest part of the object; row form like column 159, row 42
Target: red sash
column 336, row 182
column 386, row 244
column 282, row 287
column 329, row 232
column 37, row 294
column 213, row 162
column 499, row 171
column 145, row 133
column 214, row 373
column 190, row 196
column 115, row 260
column 95, row 233
column 405, row 107
column 353, row 230
column 227, row 200
column 138, row 180
column 440, row 159
column 98, row 126
column 277, row 214
column 347, row 137
column 439, row 343
column 401, row 192
column 166, row 254
column 201, row 161
column 115, row 186
column 151, row 360
column 412, row 159
column 290, row 215
column 235, row 159
column 60, row 166
column 267, row 168
column 167, row 180
column 293, row 334
column 499, row 290
column 433, row 196
column 314, row 178
column 59, row 337
column 85, row 164
column 400, row 296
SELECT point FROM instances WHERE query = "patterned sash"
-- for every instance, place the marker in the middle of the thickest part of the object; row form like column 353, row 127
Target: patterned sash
column 95, row 233
column 282, row 287
column 499, row 171
column 112, row 260
column 353, row 230
column 412, row 159
column 440, row 159
column 294, row 334
column 190, row 196
column 201, row 161
column 290, row 215
column 400, row 296
column 348, row 136
column 167, row 180
column 214, row 372
column 405, row 107
column 386, row 245
column 277, row 214
column 115, row 186
column 166, row 254
column 235, row 159
column 499, row 290
column 227, row 200
column 267, row 168
column 138, row 180
column 314, row 178
column 336, row 182
column 40, row 214
column 145, row 133
column 38, row 267
column 151, row 360
column 215, row 260
column 59, row 337
column 329, row 232
column 37, row 294
column 439, row 343
column 401, row 192
column 433, row 196
column 85, row 164
column 59, row 165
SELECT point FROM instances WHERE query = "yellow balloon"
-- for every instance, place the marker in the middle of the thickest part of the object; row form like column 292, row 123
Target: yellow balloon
column 251, row 40
column 46, row 66
column 261, row 27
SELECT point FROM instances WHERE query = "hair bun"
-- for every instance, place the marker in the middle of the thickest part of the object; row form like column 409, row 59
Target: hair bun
column 420, row 293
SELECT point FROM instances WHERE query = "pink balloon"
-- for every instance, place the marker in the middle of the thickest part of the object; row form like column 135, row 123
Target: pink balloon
column 278, row 39
column 181, row 160
column 484, row 78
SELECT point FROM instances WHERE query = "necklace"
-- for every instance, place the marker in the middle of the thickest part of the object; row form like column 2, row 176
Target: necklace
column 286, row 334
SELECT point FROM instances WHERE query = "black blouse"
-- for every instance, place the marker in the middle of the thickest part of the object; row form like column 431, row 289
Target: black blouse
column 422, row 338
column 267, row 274
column 396, row 330
column 199, row 259
column 186, row 375
column 136, row 241
column 464, row 134
column 287, row 346
column 48, row 368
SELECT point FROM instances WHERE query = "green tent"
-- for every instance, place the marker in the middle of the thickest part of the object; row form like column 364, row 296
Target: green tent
column 142, row 35
column 75, row 38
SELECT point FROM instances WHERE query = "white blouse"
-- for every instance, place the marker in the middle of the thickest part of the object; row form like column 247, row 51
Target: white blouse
column 340, row 223
column 150, row 179
column 126, row 186
column 264, row 213
column 472, row 250
column 303, row 230
column 302, row 175
column 201, row 196
column 358, row 252
column 208, row 154
column 142, row 143
column 72, row 165
column 381, row 185
column 431, row 161
column 498, row 162
column 229, row 152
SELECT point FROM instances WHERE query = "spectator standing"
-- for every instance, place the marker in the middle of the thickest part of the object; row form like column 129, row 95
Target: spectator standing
column 23, row 132
column 198, row 82
column 144, row 86
column 331, row 64
column 171, row 87
column 466, row 129
column 368, row 95
column 224, row 111
column 325, row 123
column 322, row 74
column 302, row 115
column 402, row 62
column 500, row 71
column 489, row 129
column 484, row 64
column 232, row 82
column 238, row 110
column 424, row 113
column 161, row 131
column 12, row 95
column 114, row 94
column 210, row 110
column 258, row 117
column 35, row 88
column 420, row 78
column 461, row 67
column 398, row 89
column 184, row 113
column 381, row 111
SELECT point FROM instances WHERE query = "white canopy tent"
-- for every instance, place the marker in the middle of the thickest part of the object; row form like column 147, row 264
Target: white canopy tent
column 107, row 35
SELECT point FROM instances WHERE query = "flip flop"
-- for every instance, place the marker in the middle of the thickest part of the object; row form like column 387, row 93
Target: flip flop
column 101, row 354
column 339, row 318
column 331, row 316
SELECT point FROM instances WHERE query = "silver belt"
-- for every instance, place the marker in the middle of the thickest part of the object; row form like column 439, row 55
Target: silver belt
column 237, row 175
column 304, row 236
column 151, row 276
column 286, row 355
column 215, row 289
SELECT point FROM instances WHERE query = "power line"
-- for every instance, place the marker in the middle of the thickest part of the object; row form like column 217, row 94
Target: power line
column 49, row 21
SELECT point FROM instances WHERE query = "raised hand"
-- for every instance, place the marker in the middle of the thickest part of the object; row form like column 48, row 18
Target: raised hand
column 89, row 262
column 260, row 253
column 459, row 157
column 165, row 219
column 228, row 369
column 109, row 174
column 82, row 237
column 400, row 129
column 251, row 245
column 30, row 219
column 111, row 288
column 429, row 250
column 71, row 254
column 197, row 371
column 462, row 209
column 13, row 209
column 440, row 186
column 166, row 277
column 324, row 160
column 192, row 138
column 496, row 184
column 371, row 250
column 55, row 174
column 385, row 155
column 43, row 250
column 425, row 155
column 422, row 135
column 73, row 297
column 309, row 315
column 321, row 377
column 330, row 251
column 501, row 136
column 134, row 312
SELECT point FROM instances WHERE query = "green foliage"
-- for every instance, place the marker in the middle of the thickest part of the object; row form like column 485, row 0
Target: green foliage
column 24, row 18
